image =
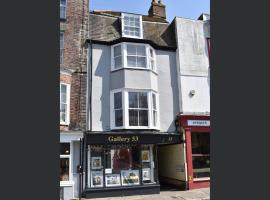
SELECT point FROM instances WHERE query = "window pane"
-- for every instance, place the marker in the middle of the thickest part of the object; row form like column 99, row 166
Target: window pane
column 200, row 143
column 201, row 166
column 141, row 62
column 117, row 100
column 64, row 148
column 131, row 49
column 143, row 116
column 62, row 12
column 118, row 118
column 62, row 2
column 64, row 169
column 63, row 111
column 154, row 101
column 133, row 99
column 131, row 61
column 117, row 50
column 61, row 40
column 141, row 50
column 143, row 100
column 151, row 53
column 133, row 117
column 137, row 33
column 154, row 118
column 118, row 62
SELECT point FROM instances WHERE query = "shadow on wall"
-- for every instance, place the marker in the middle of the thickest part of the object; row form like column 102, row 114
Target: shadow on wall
column 206, row 31
column 102, row 70
column 174, row 86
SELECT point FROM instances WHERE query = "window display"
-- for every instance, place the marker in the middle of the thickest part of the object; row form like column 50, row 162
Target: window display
column 97, row 179
column 130, row 177
column 120, row 165
column 201, row 154
column 112, row 180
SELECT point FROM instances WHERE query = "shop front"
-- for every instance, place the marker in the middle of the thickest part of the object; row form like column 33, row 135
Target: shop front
column 122, row 163
column 196, row 130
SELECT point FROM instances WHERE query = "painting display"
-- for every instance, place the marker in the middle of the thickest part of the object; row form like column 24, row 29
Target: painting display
column 130, row 177
column 96, row 163
column 146, row 174
column 96, row 179
column 145, row 156
column 112, row 180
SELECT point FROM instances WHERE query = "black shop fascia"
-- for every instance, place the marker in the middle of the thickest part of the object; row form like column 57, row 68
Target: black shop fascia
column 122, row 163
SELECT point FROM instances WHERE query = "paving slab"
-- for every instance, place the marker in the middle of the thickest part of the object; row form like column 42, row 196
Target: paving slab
column 196, row 194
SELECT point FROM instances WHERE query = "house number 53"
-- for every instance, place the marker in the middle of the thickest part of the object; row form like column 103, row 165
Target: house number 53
column 135, row 139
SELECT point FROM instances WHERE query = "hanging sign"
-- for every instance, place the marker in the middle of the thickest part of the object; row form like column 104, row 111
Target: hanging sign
column 198, row 122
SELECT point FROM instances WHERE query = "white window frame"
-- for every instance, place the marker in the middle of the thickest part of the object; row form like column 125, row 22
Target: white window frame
column 63, row 6
column 124, row 57
column 67, row 102
column 62, row 49
column 141, row 25
column 125, row 108
column 69, row 182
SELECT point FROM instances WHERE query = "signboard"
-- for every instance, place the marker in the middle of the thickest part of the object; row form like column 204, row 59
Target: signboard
column 198, row 122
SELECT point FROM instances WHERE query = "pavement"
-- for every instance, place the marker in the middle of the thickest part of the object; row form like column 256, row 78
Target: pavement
column 196, row 194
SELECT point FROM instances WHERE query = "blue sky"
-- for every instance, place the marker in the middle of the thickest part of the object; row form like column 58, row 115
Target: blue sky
column 182, row 8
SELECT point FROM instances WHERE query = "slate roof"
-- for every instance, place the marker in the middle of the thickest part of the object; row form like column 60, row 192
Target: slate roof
column 105, row 26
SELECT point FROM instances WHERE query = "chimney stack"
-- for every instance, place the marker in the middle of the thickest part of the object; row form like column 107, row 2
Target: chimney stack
column 157, row 9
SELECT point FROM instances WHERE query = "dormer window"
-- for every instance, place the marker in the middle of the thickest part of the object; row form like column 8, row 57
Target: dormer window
column 132, row 26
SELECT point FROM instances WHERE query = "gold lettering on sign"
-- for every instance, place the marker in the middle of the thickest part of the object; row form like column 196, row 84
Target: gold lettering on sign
column 123, row 139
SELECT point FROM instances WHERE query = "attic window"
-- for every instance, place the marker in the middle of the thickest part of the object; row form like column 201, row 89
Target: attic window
column 131, row 25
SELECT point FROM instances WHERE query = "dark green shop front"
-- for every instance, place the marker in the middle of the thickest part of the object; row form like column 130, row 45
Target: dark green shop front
column 122, row 163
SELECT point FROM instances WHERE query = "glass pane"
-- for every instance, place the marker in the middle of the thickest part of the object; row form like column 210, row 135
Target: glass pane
column 154, row 101
column 117, row 100
column 126, row 21
column 201, row 166
column 137, row 34
column 63, row 93
column 61, row 56
column 62, row 12
column 141, row 62
column 131, row 49
column 64, row 148
column 141, row 50
column 143, row 103
column 131, row 61
column 200, row 143
column 143, row 118
column 126, row 32
column 154, row 118
column 118, row 118
column 61, row 40
column 63, row 111
column 137, row 24
column 118, row 62
column 133, row 117
column 132, row 23
column 133, row 99
column 64, row 169
column 62, row 2
column 151, row 53
column 117, row 50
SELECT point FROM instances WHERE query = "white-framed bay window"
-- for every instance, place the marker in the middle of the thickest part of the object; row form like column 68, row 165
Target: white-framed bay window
column 134, row 109
column 64, row 103
column 132, row 26
column 133, row 55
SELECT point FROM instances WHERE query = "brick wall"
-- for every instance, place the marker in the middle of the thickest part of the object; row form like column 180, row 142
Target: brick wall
column 75, row 29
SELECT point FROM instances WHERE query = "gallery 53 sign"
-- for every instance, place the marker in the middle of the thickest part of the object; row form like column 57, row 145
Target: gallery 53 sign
column 198, row 122
column 123, row 139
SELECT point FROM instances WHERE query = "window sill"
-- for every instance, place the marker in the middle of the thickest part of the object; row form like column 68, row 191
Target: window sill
column 202, row 179
column 134, row 37
column 135, row 128
column 135, row 68
column 66, row 183
column 64, row 124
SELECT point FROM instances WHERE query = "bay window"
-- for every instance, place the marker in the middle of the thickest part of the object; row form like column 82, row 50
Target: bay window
column 131, row 25
column 64, row 103
column 133, row 55
column 134, row 109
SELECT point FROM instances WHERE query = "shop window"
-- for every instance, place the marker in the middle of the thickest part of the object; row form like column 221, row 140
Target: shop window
column 131, row 25
column 63, row 5
column 200, row 154
column 64, row 162
column 120, row 165
column 133, row 55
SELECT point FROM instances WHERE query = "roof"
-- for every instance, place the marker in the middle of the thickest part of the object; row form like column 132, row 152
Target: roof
column 106, row 28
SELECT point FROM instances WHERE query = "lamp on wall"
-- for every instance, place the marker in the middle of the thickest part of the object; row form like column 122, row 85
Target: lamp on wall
column 192, row 93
